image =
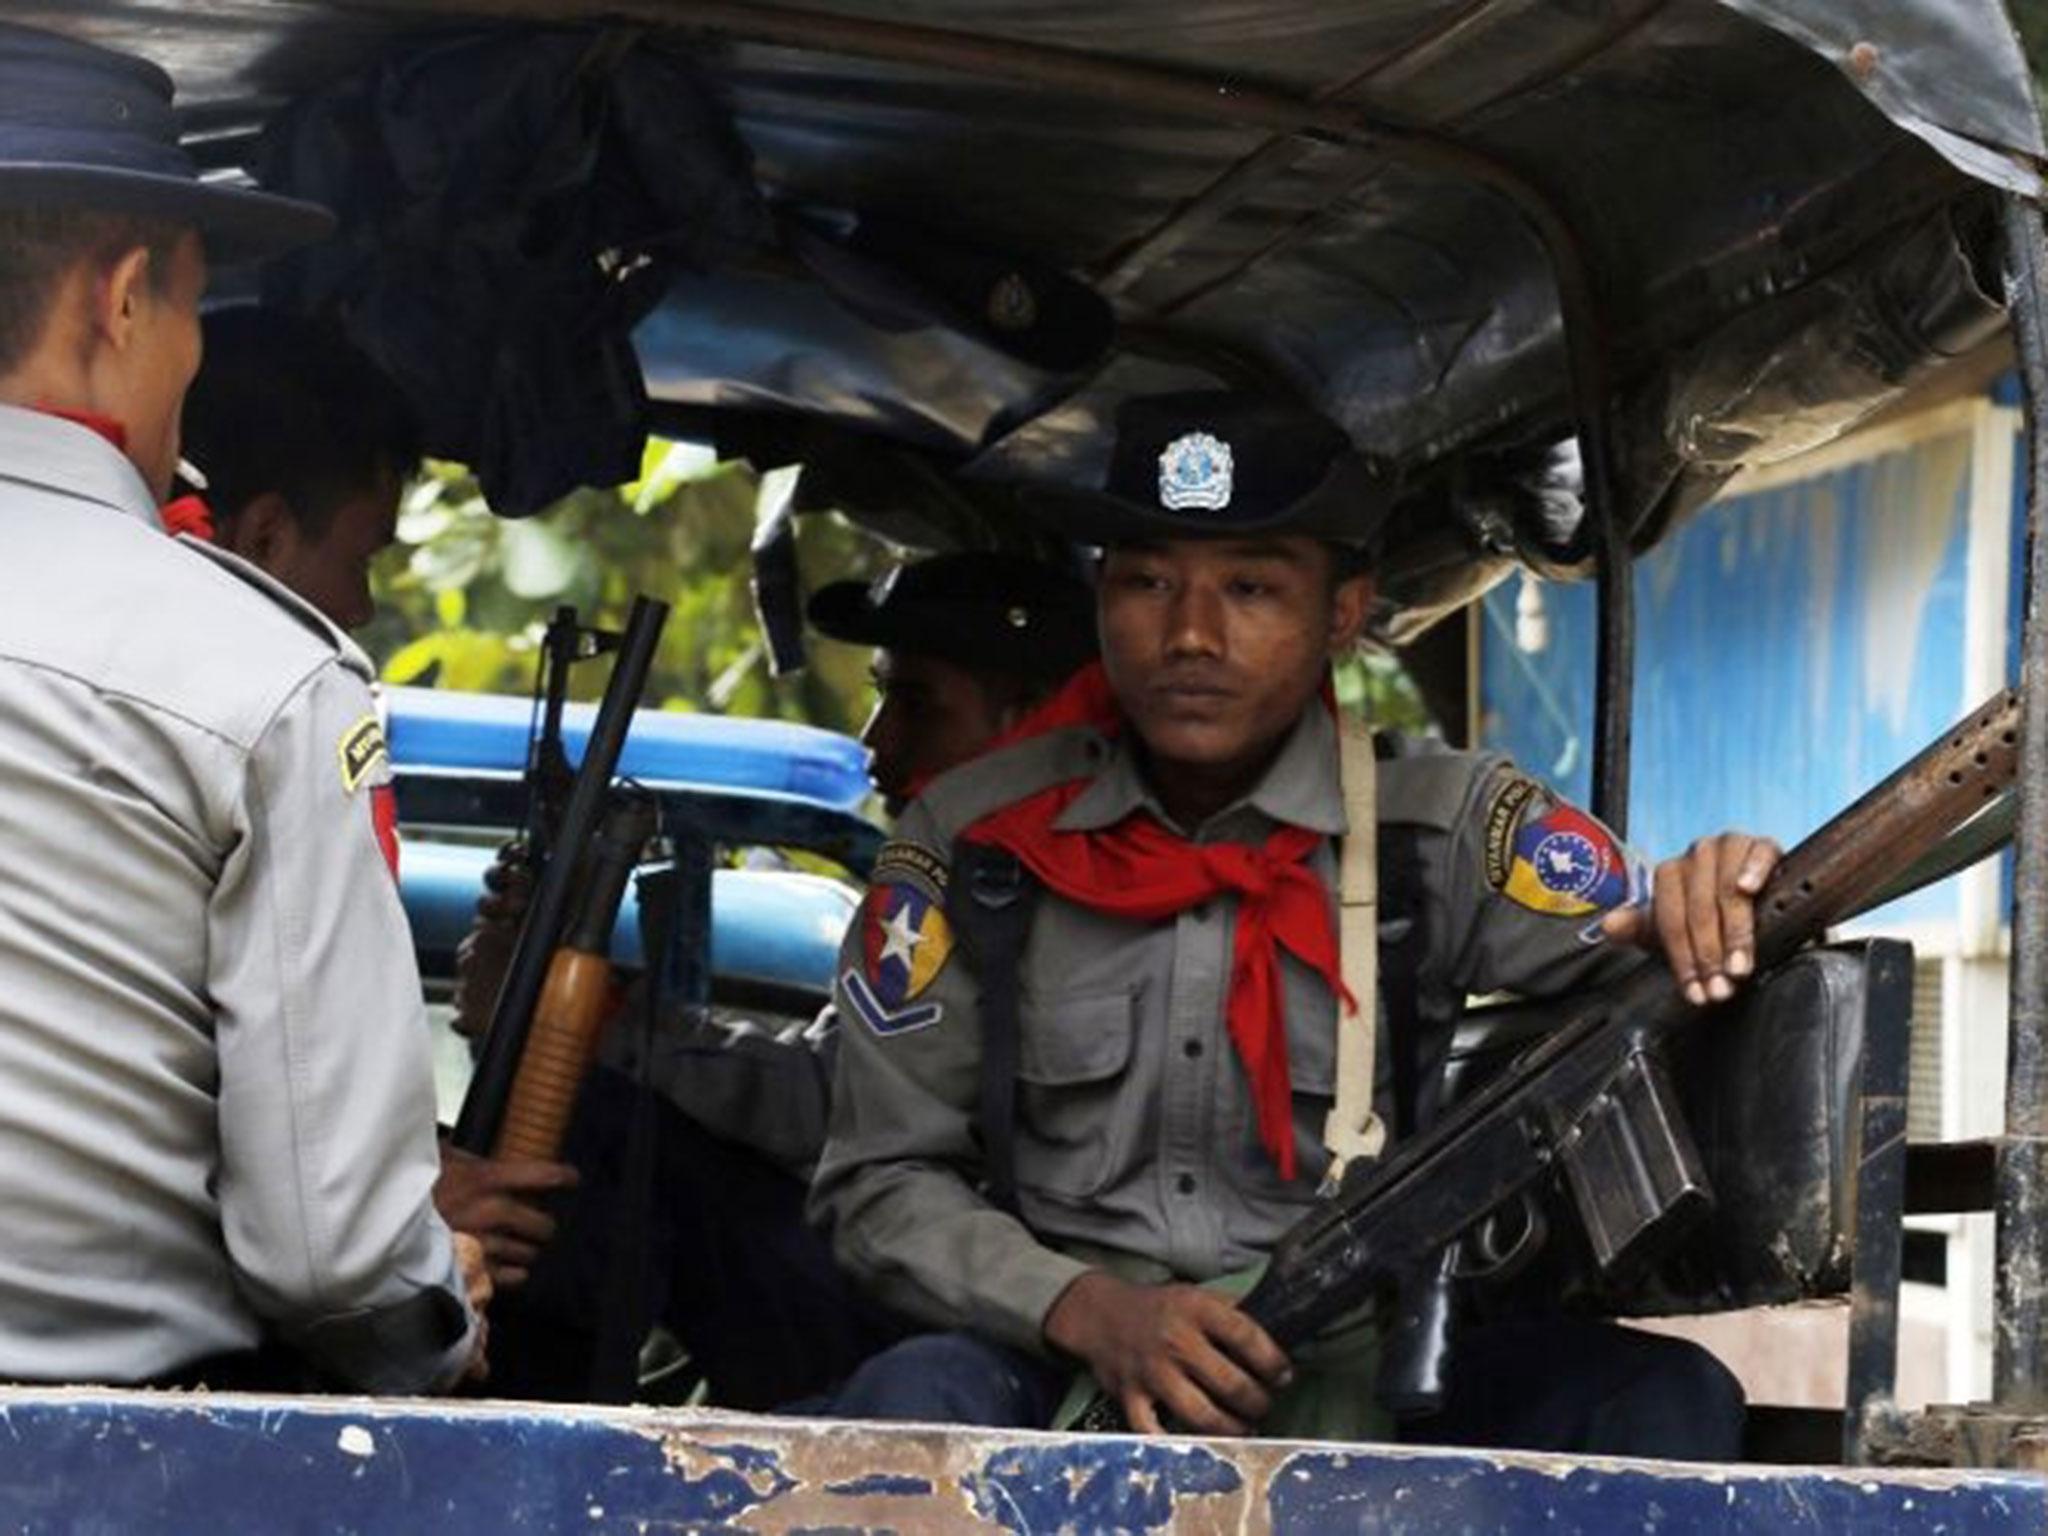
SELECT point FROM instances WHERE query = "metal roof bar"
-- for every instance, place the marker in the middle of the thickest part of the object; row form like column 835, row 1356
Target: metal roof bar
column 2020, row 1342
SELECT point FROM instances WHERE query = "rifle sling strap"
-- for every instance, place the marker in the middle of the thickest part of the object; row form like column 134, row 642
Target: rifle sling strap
column 1352, row 1130
column 992, row 899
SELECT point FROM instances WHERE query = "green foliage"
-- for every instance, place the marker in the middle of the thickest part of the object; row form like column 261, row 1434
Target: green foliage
column 1374, row 681
column 465, row 595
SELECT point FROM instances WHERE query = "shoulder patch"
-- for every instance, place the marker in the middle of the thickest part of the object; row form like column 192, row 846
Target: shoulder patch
column 906, row 863
column 361, row 751
column 905, row 942
column 1505, row 807
column 1566, row 864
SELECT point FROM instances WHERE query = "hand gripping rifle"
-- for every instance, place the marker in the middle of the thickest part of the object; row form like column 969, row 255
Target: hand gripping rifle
column 1592, row 1101
column 519, row 1098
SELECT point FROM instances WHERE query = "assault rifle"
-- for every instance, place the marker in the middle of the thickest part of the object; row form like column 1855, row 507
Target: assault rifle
column 590, row 805
column 1592, row 1101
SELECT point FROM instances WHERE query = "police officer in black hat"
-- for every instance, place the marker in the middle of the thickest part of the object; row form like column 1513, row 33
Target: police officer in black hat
column 1178, row 1069
column 964, row 645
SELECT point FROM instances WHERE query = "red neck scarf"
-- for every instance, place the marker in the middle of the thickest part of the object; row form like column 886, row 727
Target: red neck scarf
column 1141, row 870
column 185, row 514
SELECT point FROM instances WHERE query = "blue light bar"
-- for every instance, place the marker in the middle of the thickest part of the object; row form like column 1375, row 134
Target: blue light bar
column 778, row 926
column 488, row 731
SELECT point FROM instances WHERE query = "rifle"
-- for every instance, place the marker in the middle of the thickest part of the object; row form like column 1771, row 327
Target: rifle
column 549, row 778
column 498, row 1065
column 1592, row 1101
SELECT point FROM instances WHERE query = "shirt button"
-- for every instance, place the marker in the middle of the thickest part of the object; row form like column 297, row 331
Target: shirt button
column 1185, row 1183
column 1191, row 1049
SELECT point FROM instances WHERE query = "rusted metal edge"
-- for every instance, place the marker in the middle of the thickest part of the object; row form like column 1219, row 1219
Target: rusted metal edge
column 165, row 1461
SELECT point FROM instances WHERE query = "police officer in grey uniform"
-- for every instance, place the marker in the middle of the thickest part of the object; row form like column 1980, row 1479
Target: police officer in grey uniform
column 1176, row 800
column 965, row 643
column 216, row 1112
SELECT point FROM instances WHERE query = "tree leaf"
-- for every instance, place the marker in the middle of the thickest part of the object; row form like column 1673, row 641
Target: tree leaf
column 535, row 560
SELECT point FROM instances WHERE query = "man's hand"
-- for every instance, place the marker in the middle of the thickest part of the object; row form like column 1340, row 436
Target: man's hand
column 485, row 953
column 1172, row 1350
column 498, row 1205
column 476, row 1284
column 1702, row 913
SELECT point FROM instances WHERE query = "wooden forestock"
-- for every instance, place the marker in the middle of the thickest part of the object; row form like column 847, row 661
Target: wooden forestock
column 567, row 1023
column 578, row 995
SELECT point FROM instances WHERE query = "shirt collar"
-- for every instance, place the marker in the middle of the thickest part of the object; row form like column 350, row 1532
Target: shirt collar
column 60, row 456
column 1299, row 789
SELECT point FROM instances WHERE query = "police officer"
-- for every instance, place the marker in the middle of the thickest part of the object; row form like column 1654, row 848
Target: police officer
column 964, row 644
column 305, row 444
column 967, row 643
column 216, row 1113
column 1179, row 990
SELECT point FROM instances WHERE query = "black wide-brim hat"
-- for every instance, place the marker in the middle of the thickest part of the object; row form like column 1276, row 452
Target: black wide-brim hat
column 85, row 127
column 1222, row 464
column 982, row 611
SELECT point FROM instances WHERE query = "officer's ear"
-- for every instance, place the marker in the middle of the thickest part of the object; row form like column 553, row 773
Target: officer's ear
column 117, row 292
column 1350, row 606
column 264, row 532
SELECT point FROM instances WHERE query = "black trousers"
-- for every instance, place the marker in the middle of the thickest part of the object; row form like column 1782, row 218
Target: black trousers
column 1567, row 1384
column 726, row 1262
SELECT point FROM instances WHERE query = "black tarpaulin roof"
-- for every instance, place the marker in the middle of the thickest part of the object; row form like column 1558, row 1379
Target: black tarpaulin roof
column 1778, row 205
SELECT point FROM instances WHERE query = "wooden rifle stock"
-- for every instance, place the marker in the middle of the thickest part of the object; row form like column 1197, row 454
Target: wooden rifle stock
column 490, row 1089
column 577, row 997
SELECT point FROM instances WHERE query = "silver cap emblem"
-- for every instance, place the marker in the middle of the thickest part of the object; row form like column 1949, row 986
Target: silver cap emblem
column 1194, row 471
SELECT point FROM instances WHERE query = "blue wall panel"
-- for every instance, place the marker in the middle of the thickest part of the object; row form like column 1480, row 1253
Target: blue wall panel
column 1794, row 646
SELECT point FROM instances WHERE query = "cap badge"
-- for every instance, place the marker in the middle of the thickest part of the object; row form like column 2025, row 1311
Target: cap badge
column 1194, row 471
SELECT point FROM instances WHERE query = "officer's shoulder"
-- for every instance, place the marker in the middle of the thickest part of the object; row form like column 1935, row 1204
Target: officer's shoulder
column 961, row 796
column 1424, row 783
column 311, row 637
column 219, row 654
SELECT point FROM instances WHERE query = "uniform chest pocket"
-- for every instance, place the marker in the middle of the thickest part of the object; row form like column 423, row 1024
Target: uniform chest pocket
column 1073, row 1065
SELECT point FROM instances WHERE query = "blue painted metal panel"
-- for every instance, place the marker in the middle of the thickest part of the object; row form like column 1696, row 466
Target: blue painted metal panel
column 768, row 925
column 442, row 797
column 433, row 729
column 1793, row 646
column 98, row 1462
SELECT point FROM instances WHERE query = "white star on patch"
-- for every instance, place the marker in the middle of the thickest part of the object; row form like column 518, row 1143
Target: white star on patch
column 903, row 939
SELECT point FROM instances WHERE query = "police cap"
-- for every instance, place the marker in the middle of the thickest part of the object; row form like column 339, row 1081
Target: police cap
column 85, row 127
column 985, row 612
column 1221, row 463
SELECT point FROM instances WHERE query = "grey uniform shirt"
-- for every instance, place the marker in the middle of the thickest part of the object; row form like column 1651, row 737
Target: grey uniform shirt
column 1136, row 1140
column 216, row 1108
